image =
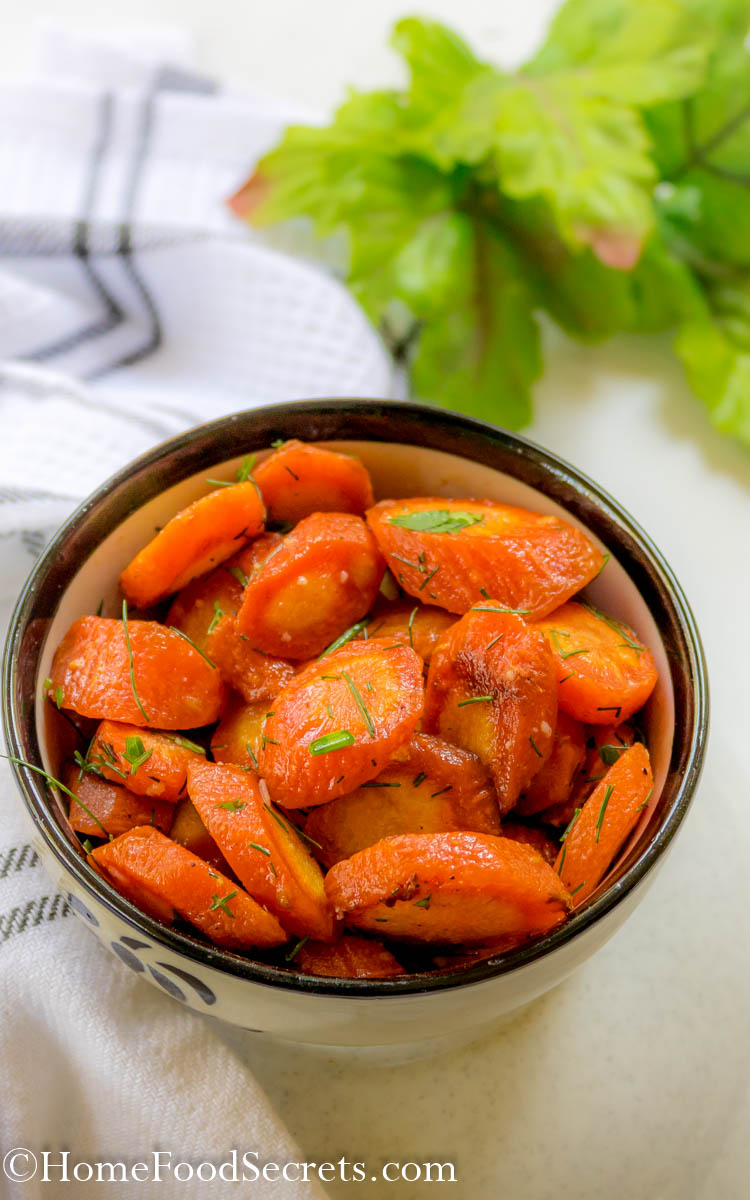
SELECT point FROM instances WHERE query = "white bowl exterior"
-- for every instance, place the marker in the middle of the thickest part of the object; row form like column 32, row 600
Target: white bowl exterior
column 397, row 471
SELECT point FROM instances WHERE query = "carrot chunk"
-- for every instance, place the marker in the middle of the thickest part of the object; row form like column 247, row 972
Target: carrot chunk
column 605, row 672
column 417, row 625
column 239, row 735
column 448, row 887
column 554, row 782
column 198, row 608
column 531, row 836
column 262, row 847
column 432, row 787
column 253, row 673
column 145, row 762
column 197, row 539
column 600, row 828
column 454, row 552
column 171, row 685
column 491, row 689
column 189, row 831
column 156, row 874
column 299, row 479
column 323, row 576
column 106, row 808
column 340, row 720
column 348, row 958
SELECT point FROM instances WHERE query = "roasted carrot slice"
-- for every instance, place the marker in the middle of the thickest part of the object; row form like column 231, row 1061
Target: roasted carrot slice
column 417, row 625
column 348, row 958
column 298, row 479
column 253, row 673
column 448, row 887
column 323, row 577
column 139, row 672
column 239, row 735
column 454, row 552
column 339, row 722
column 554, row 782
column 145, row 762
column 197, row 539
column 606, row 674
column 160, row 876
column 600, row 828
column 491, row 689
column 106, row 808
column 432, row 788
column 189, row 831
column 263, row 849
column 160, row 680
column 197, row 609
column 530, row 835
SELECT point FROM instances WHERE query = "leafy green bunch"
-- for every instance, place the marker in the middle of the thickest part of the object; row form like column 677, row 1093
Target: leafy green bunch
column 605, row 182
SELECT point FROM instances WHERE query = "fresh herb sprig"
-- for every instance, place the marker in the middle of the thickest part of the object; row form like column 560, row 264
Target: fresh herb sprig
column 605, row 183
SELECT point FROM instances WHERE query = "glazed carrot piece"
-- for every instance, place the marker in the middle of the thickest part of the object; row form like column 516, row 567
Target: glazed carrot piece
column 189, row 831
column 197, row 539
column 594, row 836
column 455, row 552
column 432, row 787
column 554, row 782
column 606, row 674
column 107, row 808
column 530, row 835
column 338, row 723
column 239, row 735
column 491, row 689
column 143, row 761
column 171, row 685
column 253, row 673
column 263, row 848
column 197, row 608
column 348, row 958
column 299, row 479
column 448, row 887
column 417, row 625
column 323, row 577
column 158, row 875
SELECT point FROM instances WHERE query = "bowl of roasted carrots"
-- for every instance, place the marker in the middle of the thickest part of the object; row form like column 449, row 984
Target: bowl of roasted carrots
column 353, row 722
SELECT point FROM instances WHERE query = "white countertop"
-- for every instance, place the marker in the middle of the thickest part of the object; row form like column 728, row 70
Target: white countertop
column 631, row 1079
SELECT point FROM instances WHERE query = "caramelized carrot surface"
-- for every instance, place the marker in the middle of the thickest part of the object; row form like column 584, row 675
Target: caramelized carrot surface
column 143, row 761
column 298, row 479
column 606, row 674
column 339, row 722
column 491, row 689
column 239, row 735
column 105, row 808
column 417, row 625
column 448, row 887
column 253, row 673
column 199, row 538
column 323, row 576
column 162, row 877
column 171, row 686
column 600, row 828
column 262, row 847
column 454, row 552
column 190, row 832
column 530, row 835
column 553, row 784
column 432, row 787
column 348, row 958
column 197, row 609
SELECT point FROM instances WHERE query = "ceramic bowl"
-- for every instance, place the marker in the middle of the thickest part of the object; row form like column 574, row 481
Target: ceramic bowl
column 409, row 450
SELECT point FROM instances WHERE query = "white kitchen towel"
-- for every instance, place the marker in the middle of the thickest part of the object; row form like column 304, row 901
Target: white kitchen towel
column 119, row 265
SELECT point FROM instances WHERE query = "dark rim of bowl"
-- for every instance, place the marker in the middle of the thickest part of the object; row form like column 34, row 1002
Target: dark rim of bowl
column 201, row 448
